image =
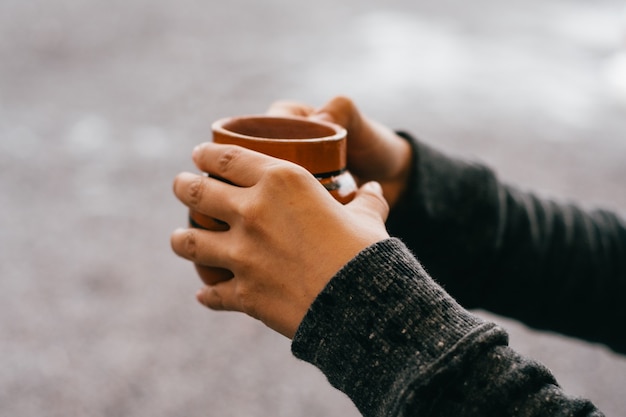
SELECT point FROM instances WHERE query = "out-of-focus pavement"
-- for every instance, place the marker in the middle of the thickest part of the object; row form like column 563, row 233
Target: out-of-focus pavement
column 101, row 103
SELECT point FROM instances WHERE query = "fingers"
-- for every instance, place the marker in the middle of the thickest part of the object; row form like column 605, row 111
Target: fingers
column 289, row 108
column 205, row 195
column 202, row 247
column 221, row 296
column 370, row 198
column 343, row 111
column 227, row 296
column 340, row 110
column 237, row 165
column 375, row 152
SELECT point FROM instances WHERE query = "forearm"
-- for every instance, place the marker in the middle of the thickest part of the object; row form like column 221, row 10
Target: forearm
column 389, row 337
column 552, row 265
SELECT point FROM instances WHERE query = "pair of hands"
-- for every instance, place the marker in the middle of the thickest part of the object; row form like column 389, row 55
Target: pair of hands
column 287, row 235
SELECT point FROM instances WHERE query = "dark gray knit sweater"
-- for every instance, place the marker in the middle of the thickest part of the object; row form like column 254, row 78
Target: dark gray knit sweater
column 386, row 333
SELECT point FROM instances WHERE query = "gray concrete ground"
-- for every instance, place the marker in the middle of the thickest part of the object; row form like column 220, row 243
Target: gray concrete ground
column 102, row 102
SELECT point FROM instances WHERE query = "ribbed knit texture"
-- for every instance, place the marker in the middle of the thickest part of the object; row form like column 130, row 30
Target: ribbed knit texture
column 387, row 335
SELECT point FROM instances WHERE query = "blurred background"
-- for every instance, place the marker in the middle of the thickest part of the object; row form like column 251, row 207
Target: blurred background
column 102, row 102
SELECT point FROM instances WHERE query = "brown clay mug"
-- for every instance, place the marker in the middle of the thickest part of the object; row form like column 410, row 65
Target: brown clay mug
column 318, row 146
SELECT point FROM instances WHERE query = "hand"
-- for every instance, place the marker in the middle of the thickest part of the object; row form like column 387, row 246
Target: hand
column 287, row 237
column 375, row 152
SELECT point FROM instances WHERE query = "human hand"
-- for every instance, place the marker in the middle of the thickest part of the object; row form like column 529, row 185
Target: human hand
column 287, row 237
column 375, row 152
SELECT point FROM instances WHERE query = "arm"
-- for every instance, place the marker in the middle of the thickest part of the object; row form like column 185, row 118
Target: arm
column 549, row 264
column 388, row 336
column 359, row 305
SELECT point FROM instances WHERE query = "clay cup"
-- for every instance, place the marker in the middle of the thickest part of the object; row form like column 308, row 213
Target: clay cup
column 318, row 146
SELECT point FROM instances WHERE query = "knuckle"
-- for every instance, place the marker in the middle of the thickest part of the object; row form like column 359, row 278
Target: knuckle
column 226, row 160
column 218, row 301
column 190, row 243
column 283, row 172
column 214, row 300
column 195, row 191
column 278, row 181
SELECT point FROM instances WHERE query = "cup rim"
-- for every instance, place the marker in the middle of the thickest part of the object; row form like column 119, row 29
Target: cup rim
column 340, row 131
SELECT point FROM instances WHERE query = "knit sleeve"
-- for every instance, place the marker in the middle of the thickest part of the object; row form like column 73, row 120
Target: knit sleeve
column 397, row 344
column 550, row 264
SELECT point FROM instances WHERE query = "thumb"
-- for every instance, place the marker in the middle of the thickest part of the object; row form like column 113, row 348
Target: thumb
column 340, row 110
column 370, row 199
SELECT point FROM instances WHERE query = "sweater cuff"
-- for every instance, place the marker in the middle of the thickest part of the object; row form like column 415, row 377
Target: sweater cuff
column 381, row 324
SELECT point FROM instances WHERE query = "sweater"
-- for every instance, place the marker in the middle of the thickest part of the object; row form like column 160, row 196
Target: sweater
column 386, row 332
column 553, row 265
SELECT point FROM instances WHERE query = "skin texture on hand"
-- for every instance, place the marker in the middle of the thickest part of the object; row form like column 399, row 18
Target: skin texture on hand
column 375, row 152
column 287, row 236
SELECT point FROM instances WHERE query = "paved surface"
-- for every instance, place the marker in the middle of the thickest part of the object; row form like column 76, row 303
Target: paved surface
column 102, row 102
